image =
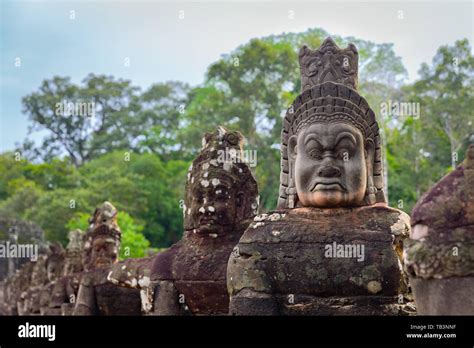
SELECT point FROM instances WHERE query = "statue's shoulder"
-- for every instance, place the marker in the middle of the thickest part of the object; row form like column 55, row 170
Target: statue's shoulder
column 397, row 220
column 130, row 272
column 162, row 264
column 264, row 226
column 308, row 224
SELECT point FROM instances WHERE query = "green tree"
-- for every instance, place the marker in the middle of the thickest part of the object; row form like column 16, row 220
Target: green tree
column 445, row 92
column 420, row 150
column 119, row 117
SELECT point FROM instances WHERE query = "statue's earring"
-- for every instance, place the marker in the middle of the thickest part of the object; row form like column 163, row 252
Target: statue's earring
column 370, row 192
column 291, row 189
column 291, row 192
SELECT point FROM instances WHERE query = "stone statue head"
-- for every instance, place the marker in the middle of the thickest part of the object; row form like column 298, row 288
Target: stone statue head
column 221, row 190
column 74, row 251
column 55, row 261
column 330, row 154
column 102, row 241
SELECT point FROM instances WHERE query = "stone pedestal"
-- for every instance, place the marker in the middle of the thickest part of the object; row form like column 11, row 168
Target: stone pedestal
column 311, row 261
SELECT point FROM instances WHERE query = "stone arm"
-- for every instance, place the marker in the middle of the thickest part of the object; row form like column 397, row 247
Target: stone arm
column 166, row 299
column 249, row 289
column 58, row 296
column 86, row 301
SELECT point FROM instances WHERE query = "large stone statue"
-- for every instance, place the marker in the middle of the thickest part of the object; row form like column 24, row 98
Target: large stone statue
column 333, row 246
column 96, row 295
column 440, row 251
column 221, row 198
column 64, row 295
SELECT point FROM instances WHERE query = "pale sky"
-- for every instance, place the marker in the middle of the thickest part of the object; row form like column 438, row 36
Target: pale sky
column 162, row 46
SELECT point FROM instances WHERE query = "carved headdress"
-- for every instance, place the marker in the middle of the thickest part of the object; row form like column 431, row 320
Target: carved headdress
column 329, row 93
column 74, row 252
column 221, row 160
column 104, row 222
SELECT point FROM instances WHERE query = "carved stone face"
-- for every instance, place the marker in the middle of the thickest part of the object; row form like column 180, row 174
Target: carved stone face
column 104, row 252
column 54, row 269
column 39, row 274
column 73, row 264
column 215, row 204
column 330, row 165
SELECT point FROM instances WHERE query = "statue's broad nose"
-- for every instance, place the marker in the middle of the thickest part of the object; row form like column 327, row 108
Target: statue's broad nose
column 329, row 172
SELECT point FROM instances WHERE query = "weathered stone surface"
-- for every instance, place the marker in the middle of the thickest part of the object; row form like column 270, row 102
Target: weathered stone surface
column 196, row 267
column 440, row 252
column 97, row 296
column 317, row 66
column 135, row 274
column 284, row 257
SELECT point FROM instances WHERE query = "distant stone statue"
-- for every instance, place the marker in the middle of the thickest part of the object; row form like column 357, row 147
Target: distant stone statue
column 221, row 198
column 440, row 252
column 96, row 296
column 39, row 278
column 333, row 246
column 54, row 269
column 64, row 294
column 25, row 273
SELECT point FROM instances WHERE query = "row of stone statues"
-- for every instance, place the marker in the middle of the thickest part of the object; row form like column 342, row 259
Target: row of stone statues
column 332, row 247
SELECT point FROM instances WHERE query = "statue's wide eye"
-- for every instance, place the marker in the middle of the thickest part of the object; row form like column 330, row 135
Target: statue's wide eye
column 315, row 153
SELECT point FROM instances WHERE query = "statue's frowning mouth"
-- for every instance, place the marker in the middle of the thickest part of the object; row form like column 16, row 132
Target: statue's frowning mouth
column 328, row 186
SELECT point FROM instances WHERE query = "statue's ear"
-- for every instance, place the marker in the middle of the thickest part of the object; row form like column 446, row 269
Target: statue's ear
column 292, row 147
column 369, row 164
column 369, row 153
